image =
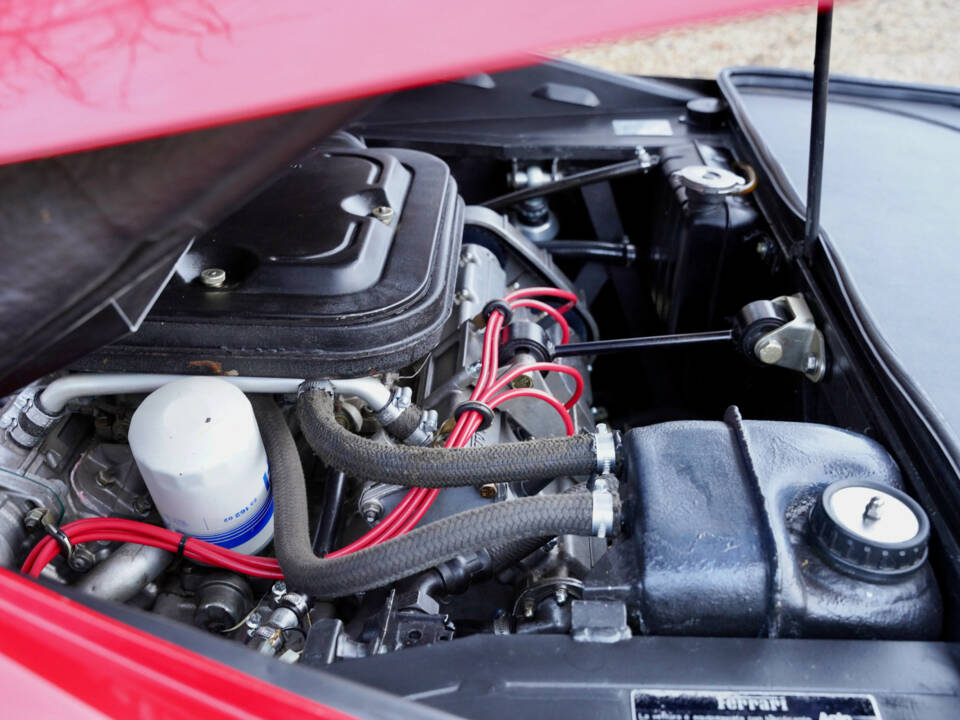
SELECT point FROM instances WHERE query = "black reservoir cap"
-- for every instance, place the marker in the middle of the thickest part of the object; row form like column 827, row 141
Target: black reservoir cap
column 870, row 530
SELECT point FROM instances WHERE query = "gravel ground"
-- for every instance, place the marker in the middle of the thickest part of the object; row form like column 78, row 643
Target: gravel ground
column 909, row 40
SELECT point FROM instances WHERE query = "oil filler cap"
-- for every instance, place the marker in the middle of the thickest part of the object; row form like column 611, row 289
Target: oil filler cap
column 870, row 530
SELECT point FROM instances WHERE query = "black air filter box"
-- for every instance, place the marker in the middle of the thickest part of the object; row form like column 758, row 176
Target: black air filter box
column 343, row 266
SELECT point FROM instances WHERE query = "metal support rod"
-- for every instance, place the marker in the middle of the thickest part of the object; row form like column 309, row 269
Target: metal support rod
column 334, row 490
column 818, row 123
column 602, row 347
column 606, row 172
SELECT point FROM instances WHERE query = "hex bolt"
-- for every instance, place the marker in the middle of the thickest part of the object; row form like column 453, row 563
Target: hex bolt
column 143, row 505
column 528, row 607
column 522, row 381
column 811, row 364
column 769, row 351
column 278, row 590
column 81, row 559
column 253, row 622
column 765, row 248
column 488, row 491
column 384, row 214
column 213, row 277
column 561, row 594
column 371, row 511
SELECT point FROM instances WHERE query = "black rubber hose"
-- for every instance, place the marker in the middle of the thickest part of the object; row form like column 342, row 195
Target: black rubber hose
column 327, row 578
column 438, row 467
column 622, row 253
column 403, row 426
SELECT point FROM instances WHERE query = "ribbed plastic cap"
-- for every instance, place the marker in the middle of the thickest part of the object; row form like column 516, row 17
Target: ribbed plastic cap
column 870, row 530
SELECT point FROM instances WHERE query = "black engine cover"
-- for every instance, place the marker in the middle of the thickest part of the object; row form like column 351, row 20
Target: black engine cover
column 316, row 283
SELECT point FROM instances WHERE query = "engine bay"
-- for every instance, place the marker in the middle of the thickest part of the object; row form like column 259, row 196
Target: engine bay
column 417, row 391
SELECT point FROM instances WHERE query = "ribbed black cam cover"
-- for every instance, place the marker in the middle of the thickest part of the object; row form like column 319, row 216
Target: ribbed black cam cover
column 320, row 281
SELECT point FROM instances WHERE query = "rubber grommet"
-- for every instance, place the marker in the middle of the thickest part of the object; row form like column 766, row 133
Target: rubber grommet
column 484, row 410
column 498, row 305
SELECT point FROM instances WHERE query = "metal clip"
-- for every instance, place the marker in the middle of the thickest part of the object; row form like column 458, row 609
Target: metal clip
column 423, row 433
column 78, row 557
column 797, row 344
column 605, row 446
column 603, row 514
column 400, row 400
column 307, row 385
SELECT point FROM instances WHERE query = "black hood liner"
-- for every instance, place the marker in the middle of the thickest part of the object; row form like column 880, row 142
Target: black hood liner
column 88, row 241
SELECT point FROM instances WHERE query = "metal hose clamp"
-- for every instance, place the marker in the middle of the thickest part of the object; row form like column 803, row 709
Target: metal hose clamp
column 605, row 447
column 32, row 423
column 423, row 433
column 400, row 400
column 604, row 516
column 307, row 385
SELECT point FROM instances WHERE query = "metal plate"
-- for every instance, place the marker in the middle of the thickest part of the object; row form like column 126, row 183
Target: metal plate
column 703, row 705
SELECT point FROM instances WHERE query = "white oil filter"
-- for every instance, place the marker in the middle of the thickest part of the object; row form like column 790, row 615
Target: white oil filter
column 198, row 447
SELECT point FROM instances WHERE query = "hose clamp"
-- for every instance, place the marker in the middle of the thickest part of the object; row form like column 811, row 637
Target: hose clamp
column 604, row 516
column 605, row 447
column 423, row 433
column 307, row 385
column 400, row 400
column 32, row 423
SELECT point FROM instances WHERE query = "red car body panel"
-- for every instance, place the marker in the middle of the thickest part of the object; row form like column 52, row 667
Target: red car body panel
column 103, row 667
column 81, row 74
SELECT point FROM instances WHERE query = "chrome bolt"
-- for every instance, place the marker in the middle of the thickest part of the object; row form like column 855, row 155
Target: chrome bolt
column 769, row 351
column 278, row 590
column 811, row 364
column 213, row 277
column 383, row 213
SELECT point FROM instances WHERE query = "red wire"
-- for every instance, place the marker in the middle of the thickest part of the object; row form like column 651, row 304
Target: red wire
column 549, row 310
column 570, row 297
column 540, row 395
column 513, row 373
column 118, row 529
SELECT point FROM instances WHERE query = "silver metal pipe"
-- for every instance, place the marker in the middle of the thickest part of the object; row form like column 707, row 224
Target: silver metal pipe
column 126, row 572
column 54, row 398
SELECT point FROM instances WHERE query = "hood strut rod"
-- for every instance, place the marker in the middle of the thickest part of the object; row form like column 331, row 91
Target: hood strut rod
column 818, row 123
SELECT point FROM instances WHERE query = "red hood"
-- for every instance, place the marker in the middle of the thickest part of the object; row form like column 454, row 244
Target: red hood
column 79, row 74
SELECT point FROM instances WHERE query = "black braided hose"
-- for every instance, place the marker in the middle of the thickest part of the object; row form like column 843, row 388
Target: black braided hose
column 325, row 578
column 425, row 467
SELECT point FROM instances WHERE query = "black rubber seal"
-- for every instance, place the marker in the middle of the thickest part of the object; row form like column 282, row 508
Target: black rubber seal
column 499, row 304
column 484, row 410
column 181, row 546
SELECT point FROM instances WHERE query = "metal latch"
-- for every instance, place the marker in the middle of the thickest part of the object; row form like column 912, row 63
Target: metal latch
column 793, row 340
